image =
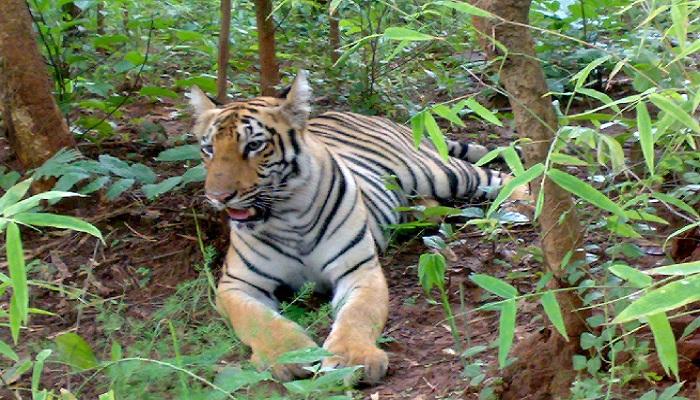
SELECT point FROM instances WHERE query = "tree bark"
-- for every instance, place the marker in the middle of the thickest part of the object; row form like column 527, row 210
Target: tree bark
column 544, row 367
column 224, row 35
column 269, row 70
column 36, row 128
column 334, row 36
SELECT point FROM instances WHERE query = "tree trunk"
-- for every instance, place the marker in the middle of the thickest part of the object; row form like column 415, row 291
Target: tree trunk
column 544, row 367
column 224, row 35
column 100, row 18
column 334, row 37
column 269, row 70
column 36, row 128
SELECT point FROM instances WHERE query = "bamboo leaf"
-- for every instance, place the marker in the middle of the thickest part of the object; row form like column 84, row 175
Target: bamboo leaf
column 582, row 75
column 436, row 136
column 482, row 111
column 513, row 160
column 506, row 330
column 664, row 342
column 683, row 269
column 508, row 189
column 19, row 303
column 401, row 33
column 585, row 191
column 646, row 137
column 673, row 109
column 447, row 113
column 553, row 311
column 14, row 194
column 418, row 127
column 676, row 202
column 58, row 221
column 7, row 351
column 635, row 277
column 668, row 297
column 466, row 8
column 494, row 285
column 602, row 97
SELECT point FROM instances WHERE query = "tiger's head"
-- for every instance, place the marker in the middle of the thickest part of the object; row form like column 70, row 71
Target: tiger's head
column 251, row 149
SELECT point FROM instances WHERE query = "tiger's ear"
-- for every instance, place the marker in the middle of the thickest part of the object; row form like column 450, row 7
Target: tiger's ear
column 297, row 102
column 199, row 101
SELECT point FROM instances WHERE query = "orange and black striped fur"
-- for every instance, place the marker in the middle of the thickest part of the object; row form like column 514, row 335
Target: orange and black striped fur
column 307, row 201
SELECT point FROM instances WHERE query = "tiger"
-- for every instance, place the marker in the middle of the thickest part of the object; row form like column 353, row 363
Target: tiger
column 307, row 201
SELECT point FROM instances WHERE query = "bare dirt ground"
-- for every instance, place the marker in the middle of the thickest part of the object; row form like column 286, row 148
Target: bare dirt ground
column 162, row 236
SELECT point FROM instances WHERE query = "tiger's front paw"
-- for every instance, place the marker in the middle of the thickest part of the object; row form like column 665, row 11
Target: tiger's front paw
column 348, row 353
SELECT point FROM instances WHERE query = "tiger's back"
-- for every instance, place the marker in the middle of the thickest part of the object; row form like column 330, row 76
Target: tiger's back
column 381, row 153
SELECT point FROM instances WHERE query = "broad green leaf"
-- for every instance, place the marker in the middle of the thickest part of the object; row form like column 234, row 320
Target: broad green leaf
column 418, row 127
column 553, row 311
column 466, row 8
column 119, row 187
column 664, row 342
column 482, row 111
column 447, row 113
column 683, row 269
column 75, row 351
column 95, row 185
column 195, row 174
column 7, row 351
column 155, row 91
column 18, row 277
column 436, row 136
column 513, row 160
column 673, row 109
column 156, row 189
column 431, row 271
column 401, row 33
column 58, row 221
column 34, row 201
column 14, row 194
column 38, row 369
column 646, row 137
column 585, row 191
column 637, row 278
column 304, row 356
column 602, row 97
column 506, row 330
column 494, row 285
column 582, row 75
column 668, row 297
column 142, row 173
column 508, row 189
column 676, row 202
column 180, row 153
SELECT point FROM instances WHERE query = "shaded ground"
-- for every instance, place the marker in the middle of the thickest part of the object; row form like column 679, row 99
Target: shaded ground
column 153, row 247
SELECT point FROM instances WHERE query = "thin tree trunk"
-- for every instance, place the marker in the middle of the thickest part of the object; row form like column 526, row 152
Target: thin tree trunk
column 100, row 18
column 334, row 37
column 544, row 367
column 269, row 70
column 224, row 35
column 36, row 128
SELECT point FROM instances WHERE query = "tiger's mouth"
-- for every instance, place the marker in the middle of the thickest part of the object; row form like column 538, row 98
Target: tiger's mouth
column 244, row 214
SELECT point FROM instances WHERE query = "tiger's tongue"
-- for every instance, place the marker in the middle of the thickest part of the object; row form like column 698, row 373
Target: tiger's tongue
column 234, row 213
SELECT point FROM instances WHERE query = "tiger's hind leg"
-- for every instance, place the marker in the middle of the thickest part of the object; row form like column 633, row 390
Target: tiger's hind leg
column 257, row 323
column 362, row 303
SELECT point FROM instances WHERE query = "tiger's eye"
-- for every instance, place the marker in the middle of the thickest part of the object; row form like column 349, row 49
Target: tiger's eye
column 254, row 146
column 208, row 149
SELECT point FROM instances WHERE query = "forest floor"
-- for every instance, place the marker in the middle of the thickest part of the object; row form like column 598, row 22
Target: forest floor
column 153, row 247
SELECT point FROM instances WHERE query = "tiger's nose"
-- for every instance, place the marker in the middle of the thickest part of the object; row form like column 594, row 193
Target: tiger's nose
column 222, row 197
